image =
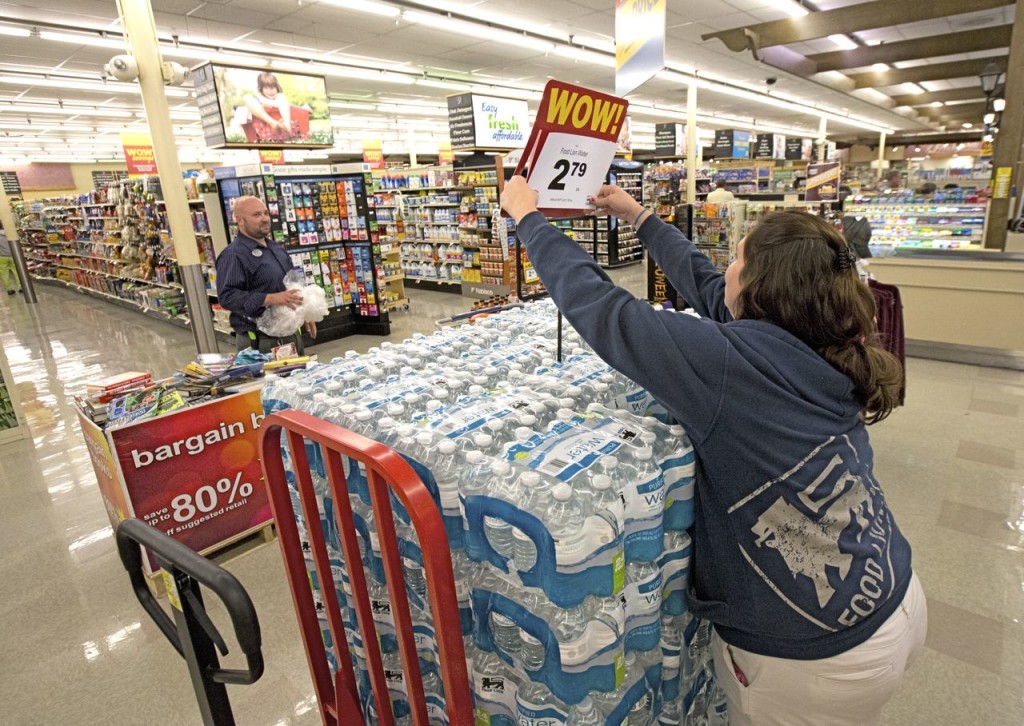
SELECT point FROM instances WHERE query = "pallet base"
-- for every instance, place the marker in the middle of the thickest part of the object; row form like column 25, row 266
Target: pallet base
column 224, row 552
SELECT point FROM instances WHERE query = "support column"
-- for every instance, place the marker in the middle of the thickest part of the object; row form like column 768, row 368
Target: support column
column 822, row 133
column 881, row 157
column 692, row 153
column 140, row 33
column 410, row 139
column 1008, row 146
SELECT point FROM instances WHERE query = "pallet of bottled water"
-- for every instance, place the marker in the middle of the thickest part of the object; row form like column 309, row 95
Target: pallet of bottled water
column 565, row 497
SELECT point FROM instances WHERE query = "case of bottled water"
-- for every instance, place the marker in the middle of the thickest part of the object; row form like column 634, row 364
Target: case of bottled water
column 565, row 496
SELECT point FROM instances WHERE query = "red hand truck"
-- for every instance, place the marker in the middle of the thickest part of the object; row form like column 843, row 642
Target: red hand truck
column 338, row 698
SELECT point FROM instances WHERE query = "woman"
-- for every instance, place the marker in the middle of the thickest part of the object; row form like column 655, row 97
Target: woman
column 798, row 561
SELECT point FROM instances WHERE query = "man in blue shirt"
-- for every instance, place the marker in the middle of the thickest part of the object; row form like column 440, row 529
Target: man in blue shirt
column 250, row 277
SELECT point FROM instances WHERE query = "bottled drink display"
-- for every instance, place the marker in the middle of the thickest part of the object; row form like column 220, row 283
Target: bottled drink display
column 565, row 496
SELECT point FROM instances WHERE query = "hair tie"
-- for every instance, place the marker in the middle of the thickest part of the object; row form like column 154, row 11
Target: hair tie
column 845, row 259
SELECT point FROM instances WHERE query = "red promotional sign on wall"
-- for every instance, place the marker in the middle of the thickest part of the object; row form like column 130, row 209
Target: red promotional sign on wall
column 271, row 156
column 195, row 474
column 571, row 147
column 138, row 154
column 373, row 153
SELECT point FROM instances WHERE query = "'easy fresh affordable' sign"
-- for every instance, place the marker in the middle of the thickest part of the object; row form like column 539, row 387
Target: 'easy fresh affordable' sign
column 487, row 122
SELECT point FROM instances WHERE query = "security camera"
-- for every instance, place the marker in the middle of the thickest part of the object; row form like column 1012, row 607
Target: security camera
column 122, row 67
column 175, row 74
column 771, row 80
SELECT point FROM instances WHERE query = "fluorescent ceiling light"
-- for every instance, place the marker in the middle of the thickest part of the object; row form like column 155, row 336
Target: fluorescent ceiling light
column 65, row 111
column 792, row 8
column 504, row 92
column 968, row 125
column 75, row 84
column 937, row 104
column 351, row 104
column 412, row 109
column 16, row 32
column 843, row 42
column 78, row 39
column 585, row 56
column 879, row 67
column 479, row 31
column 443, row 85
column 366, row 6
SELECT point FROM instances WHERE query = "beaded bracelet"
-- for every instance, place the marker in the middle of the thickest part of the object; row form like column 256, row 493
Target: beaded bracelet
column 636, row 219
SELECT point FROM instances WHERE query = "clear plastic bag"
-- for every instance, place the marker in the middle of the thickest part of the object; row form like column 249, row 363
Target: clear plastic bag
column 279, row 321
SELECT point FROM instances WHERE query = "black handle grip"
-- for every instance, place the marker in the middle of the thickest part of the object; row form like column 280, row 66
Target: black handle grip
column 170, row 552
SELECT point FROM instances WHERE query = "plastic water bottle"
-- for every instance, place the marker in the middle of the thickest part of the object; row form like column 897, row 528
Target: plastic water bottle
column 565, row 517
column 617, row 700
column 584, row 713
column 534, row 501
column 537, row 706
column 497, row 530
column 603, row 500
column 494, row 686
column 445, row 468
column 645, row 506
column 643, row 605
column 718, row 712
column 433, row 693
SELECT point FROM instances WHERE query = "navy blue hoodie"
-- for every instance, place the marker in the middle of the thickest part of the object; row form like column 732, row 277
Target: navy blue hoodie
column 796, row 554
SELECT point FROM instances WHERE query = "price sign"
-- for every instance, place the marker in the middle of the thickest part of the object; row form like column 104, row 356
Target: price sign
column 195, row 474
column 571, row 146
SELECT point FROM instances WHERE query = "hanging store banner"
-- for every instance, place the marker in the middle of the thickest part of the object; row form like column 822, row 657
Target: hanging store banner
column 639, row 42
column 271, row 156
column 138, row 154
column 195, row 474
column 373, row 153
column 823, row 182
column 444, row 153
column 571, row 147
column 670, row 139
column 487, row 122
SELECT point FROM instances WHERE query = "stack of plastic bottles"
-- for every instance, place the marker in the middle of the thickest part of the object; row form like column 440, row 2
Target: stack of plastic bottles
column 566, row 499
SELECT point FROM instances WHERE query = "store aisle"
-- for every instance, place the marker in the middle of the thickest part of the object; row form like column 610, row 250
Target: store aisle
column 79, row 649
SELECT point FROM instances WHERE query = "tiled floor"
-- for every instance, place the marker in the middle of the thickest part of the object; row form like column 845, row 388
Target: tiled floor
column 79, row 649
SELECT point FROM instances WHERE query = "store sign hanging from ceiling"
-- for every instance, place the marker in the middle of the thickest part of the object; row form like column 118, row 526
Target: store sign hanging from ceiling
column 138, row 154
column 639, row 43
column 487, row 122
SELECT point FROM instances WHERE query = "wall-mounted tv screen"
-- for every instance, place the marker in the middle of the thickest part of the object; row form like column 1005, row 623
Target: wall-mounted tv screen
column 256, row 108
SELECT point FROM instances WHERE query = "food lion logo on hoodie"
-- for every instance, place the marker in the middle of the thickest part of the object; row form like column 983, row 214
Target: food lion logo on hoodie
column 819, row 535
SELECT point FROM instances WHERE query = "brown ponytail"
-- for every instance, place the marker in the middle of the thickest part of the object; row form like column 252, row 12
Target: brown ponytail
column 796, row 275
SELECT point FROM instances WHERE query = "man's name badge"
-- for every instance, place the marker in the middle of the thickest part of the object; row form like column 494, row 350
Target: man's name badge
column 257, row 253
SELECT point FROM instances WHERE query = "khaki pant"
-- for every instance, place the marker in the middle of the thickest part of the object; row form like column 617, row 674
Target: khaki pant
column 849, row 689
column 9, row 274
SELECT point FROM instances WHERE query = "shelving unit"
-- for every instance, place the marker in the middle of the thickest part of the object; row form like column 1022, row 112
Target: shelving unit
column 612, row 241
column 112, row 243
column 954, row 223
column 669, row 189
column 12, row 419
column 744, row 176
column 325, row 216
column 489, row 268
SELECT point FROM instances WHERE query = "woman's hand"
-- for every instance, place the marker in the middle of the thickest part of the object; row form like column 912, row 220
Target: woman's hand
column 618, row 202
column 518, row 198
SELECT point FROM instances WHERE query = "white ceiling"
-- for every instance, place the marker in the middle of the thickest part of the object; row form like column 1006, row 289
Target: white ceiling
column 301, row 29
